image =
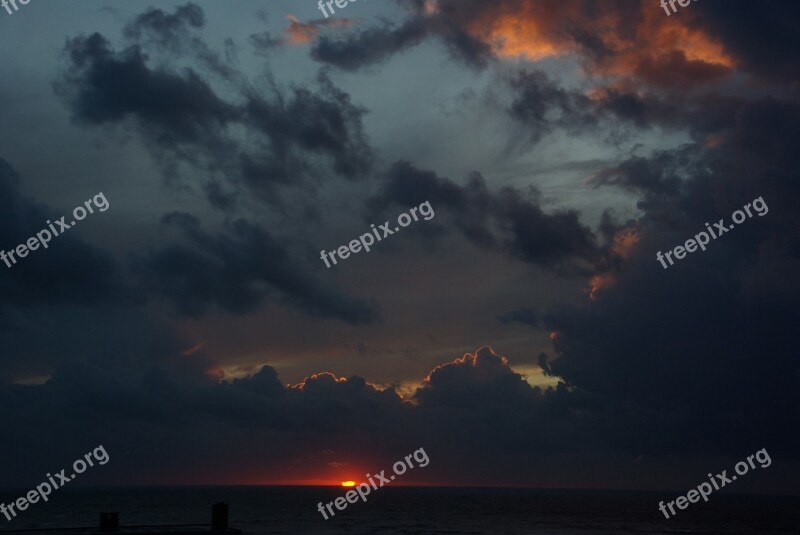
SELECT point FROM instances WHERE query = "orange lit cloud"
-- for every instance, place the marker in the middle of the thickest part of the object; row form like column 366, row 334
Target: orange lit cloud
column 215, row 372
column 472, row 360
column 713, row 141
column 193, row 349
column 511, row 35
column 326, row 377
column 431, row 7
column 624, row 242
column 622, row 247
column 610, row 41
column 299, row 33
column 599, row 282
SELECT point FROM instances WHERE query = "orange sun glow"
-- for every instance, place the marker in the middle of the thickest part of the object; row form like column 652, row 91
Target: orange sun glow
column 348, row 483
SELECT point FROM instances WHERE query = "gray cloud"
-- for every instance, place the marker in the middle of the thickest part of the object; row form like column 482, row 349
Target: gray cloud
column 507, row 220
column 70, row 270
column 367, row 47
column 261, row 142
column 238, row 269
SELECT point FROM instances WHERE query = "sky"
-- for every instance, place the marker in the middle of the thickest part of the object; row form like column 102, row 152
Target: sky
column 525, row 334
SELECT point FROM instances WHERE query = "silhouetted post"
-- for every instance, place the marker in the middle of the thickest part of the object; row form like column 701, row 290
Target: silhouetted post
column 109, row 521
column 219, row 516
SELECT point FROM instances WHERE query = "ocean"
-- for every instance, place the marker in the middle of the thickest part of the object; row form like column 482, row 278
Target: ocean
column 405, row 510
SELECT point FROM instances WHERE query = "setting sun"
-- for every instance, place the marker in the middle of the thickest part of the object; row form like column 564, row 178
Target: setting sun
column 348, row 483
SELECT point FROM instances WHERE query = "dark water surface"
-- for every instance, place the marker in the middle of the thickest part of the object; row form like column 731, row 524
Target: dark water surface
column 396, row 510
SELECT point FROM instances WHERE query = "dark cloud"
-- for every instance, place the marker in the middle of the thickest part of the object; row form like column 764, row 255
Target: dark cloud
column 670, row 352
column 369, row 46
column 250, row 145
column 542, row 105
column 675, row 184
column 360, row 48
column 69, row 270
column 481, row 380
column 176, row 111
column 169, row 30
column 236, row 271
column 507, row 220
column 464, row 47
column 308, row 124
column 263, row 143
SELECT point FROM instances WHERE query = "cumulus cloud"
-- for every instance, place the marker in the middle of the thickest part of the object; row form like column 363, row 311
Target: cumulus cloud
column 327, row 422
column 472, row 381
